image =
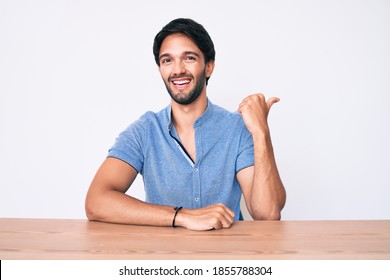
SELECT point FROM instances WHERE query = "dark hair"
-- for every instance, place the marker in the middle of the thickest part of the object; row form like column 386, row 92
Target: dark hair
column 193, row 30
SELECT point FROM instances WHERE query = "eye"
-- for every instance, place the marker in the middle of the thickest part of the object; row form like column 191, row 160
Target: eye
column 166, row 60
column 190, row 58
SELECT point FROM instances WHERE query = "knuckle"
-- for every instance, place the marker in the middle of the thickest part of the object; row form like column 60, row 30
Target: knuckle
column 214, row 222
column 217, row 224
column 260, row 95
column 260, row 98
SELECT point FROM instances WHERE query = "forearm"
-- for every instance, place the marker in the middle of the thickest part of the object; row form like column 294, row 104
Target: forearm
column 268, row 195
column 107, row 201
column 116, row 207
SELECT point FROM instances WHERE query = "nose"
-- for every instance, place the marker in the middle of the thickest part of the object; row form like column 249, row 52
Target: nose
column 179, row 68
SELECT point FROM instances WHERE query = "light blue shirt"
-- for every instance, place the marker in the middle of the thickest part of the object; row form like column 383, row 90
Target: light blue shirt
column 223, row 144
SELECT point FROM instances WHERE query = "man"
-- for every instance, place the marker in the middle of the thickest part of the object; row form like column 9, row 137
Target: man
column 196, row 158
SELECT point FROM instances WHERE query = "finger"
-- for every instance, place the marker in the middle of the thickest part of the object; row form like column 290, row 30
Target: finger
column 252, row 99
column 227, row 218
column 224, row 216
column 222, row 222
column 229, row 213
column 241, row 105
column 271, row 101
column 260, row 96
column 227, row 222
column 218, row 225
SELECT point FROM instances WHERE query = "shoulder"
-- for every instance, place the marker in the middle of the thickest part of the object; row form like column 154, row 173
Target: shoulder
column 151, row 118
column 225, row 115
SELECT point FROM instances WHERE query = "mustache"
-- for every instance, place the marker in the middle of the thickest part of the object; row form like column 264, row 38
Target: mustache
column 180, row 76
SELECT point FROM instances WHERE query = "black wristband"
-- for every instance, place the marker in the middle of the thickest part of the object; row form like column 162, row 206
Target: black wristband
column 177, row 209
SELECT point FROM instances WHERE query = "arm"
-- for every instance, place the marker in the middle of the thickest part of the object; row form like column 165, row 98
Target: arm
column 261, row 185
column 106, row 201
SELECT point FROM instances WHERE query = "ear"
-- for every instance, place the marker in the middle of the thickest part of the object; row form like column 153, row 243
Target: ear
column 210, row 68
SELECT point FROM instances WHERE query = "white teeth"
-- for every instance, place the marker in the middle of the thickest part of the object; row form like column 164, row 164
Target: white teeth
column 182, row 82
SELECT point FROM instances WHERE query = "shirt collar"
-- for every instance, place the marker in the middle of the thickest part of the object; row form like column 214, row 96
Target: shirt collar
column 206, row 114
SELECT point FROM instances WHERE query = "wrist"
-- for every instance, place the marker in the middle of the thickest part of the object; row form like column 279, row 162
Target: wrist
column 181, row 218
column 261, row 135
column 174, row 222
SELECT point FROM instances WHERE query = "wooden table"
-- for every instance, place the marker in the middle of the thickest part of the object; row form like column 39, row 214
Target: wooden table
column 81, row 239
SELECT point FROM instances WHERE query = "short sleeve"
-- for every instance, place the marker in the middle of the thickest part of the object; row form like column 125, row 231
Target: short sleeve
column 128, row 145
column 245, row 157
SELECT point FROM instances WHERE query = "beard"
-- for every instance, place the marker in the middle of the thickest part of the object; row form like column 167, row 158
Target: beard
column 183, row 98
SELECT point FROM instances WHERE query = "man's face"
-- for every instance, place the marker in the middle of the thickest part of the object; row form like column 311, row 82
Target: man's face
column 183, row 68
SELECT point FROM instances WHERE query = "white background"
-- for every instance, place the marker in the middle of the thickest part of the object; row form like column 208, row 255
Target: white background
column 74, row 74
column 109, row 269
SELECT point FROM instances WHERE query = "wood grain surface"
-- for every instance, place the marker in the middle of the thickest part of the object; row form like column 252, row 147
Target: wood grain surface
column 82, row 239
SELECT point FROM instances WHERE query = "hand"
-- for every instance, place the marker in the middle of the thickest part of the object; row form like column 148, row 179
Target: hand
column 254, row 111
column 215, row 216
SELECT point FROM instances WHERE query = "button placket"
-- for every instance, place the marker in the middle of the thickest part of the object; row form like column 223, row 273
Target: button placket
column 196, row 187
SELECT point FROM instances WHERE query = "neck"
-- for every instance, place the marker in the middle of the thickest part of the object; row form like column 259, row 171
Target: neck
column 184, row 116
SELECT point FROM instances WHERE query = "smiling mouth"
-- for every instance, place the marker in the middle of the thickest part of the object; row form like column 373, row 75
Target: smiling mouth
column 181, row 82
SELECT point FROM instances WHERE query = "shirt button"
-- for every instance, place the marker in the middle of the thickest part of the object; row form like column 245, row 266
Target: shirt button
column 197, row 199
column 196, row 170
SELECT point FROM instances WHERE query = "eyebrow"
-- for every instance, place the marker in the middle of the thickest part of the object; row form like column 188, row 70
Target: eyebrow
column 185, row 53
